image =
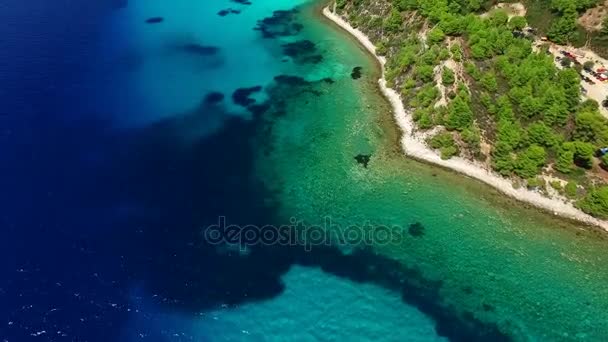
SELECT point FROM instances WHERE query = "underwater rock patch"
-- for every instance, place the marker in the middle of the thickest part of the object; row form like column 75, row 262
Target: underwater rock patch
column 312, row 91
column 154, row 20
column 242, row 2
column 416, row 229
column 214, row 97
column 356, row 73
column 241, row 96
column 258, row 109
column 302, row 52
column 328, row 80
column 298, row 48
column 280, row 24
column 314, row 59
column 198, row 49
column 227, row 11
column 289, row 85
column 291, row 80
column 488, row 307
column 363, row 159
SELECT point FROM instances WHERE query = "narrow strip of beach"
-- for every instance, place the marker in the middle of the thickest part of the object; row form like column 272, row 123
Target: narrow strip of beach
column 414, row 146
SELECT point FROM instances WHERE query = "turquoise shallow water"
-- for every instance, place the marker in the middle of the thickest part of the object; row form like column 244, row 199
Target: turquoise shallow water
column 167, row 81
column 339, row 310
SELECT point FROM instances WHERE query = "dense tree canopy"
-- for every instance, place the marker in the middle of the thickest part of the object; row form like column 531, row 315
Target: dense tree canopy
column 596, row 202
column 518, row 23
column 528, row 109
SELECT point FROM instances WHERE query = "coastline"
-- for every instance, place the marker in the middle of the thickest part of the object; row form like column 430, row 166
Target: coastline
column 414, row 146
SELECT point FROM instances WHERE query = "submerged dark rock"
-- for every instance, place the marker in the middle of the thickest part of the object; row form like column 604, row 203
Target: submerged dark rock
column 242, row 2
column 154, row 20
column 227, row 11
column 291, row 80
column 241, row 96
column 312, row 91
column 280, row 24
column 416, row 229
column 214, row 97
column 298, row 48
column 356, row 73
column 328, row 80
column 295, row 85
column 198, row 49
column 363, row 159
column 302, row 52
column 258, row 109
column 314, row 59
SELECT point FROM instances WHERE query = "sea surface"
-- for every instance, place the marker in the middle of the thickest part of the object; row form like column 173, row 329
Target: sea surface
column 129, row 129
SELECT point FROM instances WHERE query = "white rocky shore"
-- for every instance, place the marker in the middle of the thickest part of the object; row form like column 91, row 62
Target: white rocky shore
column 415, row 147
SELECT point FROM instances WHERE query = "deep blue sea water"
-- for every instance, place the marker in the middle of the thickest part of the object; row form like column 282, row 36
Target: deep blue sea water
column 105, row 171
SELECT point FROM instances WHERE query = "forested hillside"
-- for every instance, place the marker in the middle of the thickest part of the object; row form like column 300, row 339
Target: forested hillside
column 475, row 78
